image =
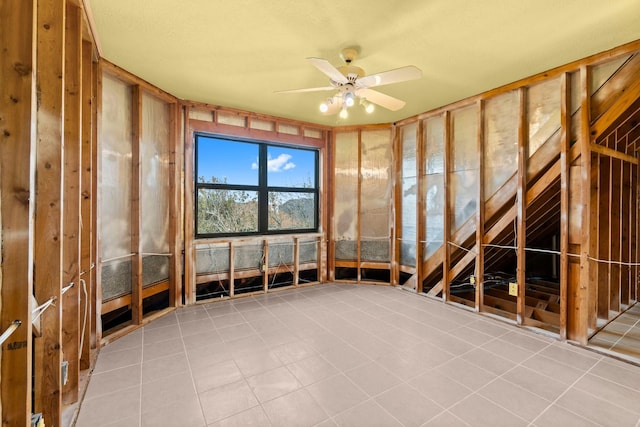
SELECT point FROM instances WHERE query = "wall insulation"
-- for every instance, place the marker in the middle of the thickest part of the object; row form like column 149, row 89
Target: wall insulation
column 115, row 187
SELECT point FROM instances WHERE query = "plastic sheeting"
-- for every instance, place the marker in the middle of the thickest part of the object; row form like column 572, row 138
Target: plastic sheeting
column 155, row 160
column 212, row 258
column 465, row 163
column 409, row 196
column 346, row 194
column 115, row 187
column 375, row 195
column 501, row 120
column 434, row 185
column 543, row 114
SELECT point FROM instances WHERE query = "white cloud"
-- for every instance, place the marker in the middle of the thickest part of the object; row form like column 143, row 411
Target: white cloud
column 280, row 163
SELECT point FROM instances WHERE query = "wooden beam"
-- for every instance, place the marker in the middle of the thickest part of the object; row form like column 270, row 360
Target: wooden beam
column 615, row 237
column 480, row 214
column 71, row 328
column 86, row 207
column 136, row 205
column 446, row 234
column 17, row 196
column 48, row 199
column 627, row 158
column 189, row 212
column 624, row 101
column 521, row 206
column 421, row 219
column 604, row 247
column 175, row 194
column 579, row 278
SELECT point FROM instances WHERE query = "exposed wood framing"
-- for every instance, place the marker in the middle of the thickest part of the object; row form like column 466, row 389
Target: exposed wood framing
column 17, row 193
column 136, row 206
column 565, row 141
column 446, row 235
column 480, row 211
column 521, row 204
column 48, row 217
column 72, row 153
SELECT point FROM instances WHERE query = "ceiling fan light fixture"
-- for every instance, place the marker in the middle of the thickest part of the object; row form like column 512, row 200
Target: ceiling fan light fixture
column 344, row 113
column 369, row 107
column 349, row 99
column 324, row 107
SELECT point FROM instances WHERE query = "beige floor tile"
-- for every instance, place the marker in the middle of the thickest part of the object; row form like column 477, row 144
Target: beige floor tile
column 274, row 383
column 612, row 392
column 118, row 359
column 407, row 406
column 536, row 383
column 446, row 419
column 478, row 411
column 160, row 367
column 114, row 380
column 466, row 373
column 373, row 378
column 596, row 410
column 228, row 400
column 212, row 376
column 312, row 369
column 294, row 409
column 162, row 392
column 488, row 361
column 336, row 394
column 514, row 399
column 251, row 417
column 252, row 364
column 162, row 349
column 368, row 414
column 440, row 388
column 557, row 416
column 110, row 408
column 184, row 411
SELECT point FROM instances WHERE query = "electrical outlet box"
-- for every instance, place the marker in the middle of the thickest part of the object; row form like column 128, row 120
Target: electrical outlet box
column 64, row 372
column 472, row 280
column 513, row 289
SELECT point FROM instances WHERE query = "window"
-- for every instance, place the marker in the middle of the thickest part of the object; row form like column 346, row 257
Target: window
column 247, row 188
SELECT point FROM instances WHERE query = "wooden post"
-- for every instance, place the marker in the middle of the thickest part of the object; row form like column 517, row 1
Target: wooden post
column 49, row 199
column 136, row 202
column 175, row 148
column 420, row 204
column 296, row 261
column 523, row 154
column 232, row 263
column 17, row 195
column 604, row 248
column 579, row 281
column 446, row 232
column 85, row 282
column 189, row 214
column 396, row 206
column 359, row 208
column 479, row 280
column 96, row 271
column 71, row 194
column 264, row 267
column 615, row 237
column 565, row 140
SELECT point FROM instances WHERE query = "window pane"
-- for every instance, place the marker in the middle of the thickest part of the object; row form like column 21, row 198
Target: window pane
column 291, row 211
column 228, row 162
column 289, row 167
column 227, row 211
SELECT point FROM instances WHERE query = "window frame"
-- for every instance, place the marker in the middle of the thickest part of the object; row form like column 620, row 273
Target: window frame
column 262, row 189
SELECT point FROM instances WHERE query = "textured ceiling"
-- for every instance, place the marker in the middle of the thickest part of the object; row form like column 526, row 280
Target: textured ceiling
column 237, row 53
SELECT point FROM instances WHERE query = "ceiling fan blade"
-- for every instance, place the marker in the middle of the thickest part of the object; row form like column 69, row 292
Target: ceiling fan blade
column 383, row 100
column 309, row 89
column 392, row 76
column 328, row 69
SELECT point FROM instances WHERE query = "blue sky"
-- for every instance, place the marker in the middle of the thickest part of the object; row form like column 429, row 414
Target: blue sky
column 238, row 162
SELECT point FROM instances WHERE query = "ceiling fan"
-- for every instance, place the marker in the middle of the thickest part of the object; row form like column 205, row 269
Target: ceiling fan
column 351, row 84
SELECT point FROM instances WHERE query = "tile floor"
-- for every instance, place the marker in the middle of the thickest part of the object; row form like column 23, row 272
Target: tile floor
column 348, row 355
column 621, row 337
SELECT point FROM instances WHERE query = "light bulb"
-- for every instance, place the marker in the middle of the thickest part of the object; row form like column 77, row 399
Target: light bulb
column 343, row 113
column 348, row 100
column 369, row 108
column 324, row 107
